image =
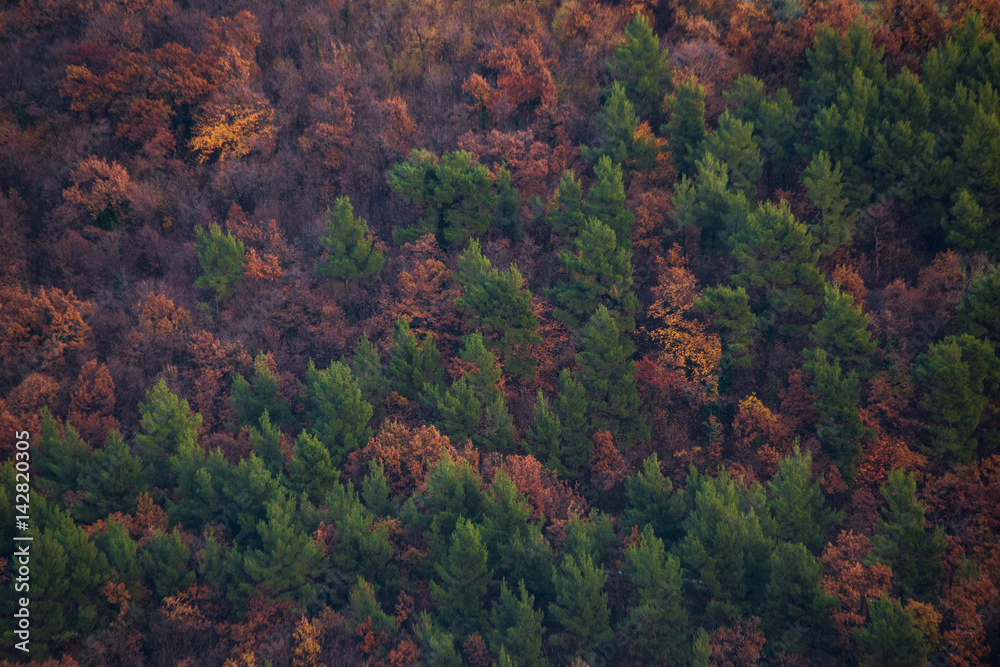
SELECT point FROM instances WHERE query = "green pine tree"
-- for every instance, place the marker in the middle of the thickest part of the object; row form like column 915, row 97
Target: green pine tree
column 968, row 228
column 501, row 305
column 508, row 213
column 455, row 196
column 608, row 374
column 795, row 595
column 169, row 427
column 266, row 444
column 581, row 608
column 571, row 409
column 959, row 376
column 464, row 580
column 351, row 252
column 619, row 143
column 643, row 69
column 600, row 273
column 364, row 605
column 165, row 563
column 979, row 309
column 312, row 469
column 724, row 546
column 338, row 413
column 249, row 400
column 824, row 188
column 709, row 202
column 517, row 550
column 652, row 501
column 376, row 494
column 607, row 201
column 284, row 567
column 517, row 628
column 797, row 501
column 568, row 219
column 545, row 441
column 656, row 621
column 437, row 647
column 733, row 145
column 62, row 457
column 685, row 130
column 844, row 331
column 112, row 480
column 891, row 638
column 837, row 396
column 412, row 366
column 366, row 369
column 221, row 257
column 777, row 264
column 904, row 543
column 728, row 309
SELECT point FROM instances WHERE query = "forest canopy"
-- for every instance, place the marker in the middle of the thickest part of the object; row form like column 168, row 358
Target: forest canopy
column 501, row 332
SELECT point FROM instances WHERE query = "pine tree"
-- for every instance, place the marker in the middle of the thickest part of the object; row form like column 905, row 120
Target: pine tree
column 122, row 553
column 608, row 374
column 834, row 59
column 508, row 213
column 338, row 413
column 351, row 253
column 311, row 469
column 979, row 309
column 701, row 649
column 844, row 331
column 652, row 501
column 619, row 140
column 837, row 397
column 728, row 309
column 165, row 563
column 517, row 550
column 568, row 219
column 266, row 444
column 968, row 227
column 250, row 399
column 686, row 128
column 708, row 202
column 464, row 579
column 364, row 606
column 221, row 257
column 607, row 201
column 581, row 608
column 412, row 366
column 657, row 621
column 959, row 375
column 453, row 492
column 796, row 501
column 795, row 593
column 904, row 543
column 643, row 69
column 364, row 547
column 169, row 428
column 437, row 647
column 571, row 409
column 461, row 411
column 376, row 494
column 284, row 567
column 724, row 545
column 366, row 369
column 112, row 480
column 600, row 272
column 824, row 188
column 775, row 122
column 501, row 305
column 544, row 441
column 733, row 145
column 67, row 572
column 498, row 432
column 517, row 627
column 777, row 261
column 61, row 458
column 455, row 195
column 891, row 638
